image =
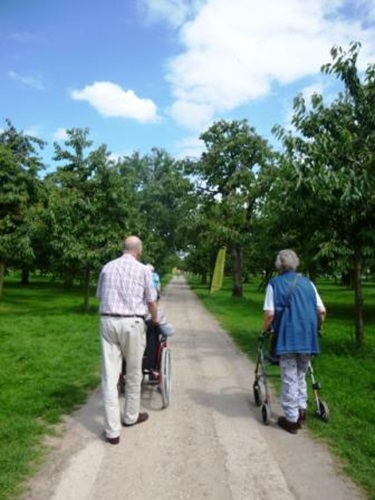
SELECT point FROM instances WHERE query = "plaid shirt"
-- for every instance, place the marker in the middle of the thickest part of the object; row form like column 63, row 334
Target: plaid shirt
column 125, row 287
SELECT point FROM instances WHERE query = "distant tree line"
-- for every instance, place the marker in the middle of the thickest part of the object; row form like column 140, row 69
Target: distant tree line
column 316, row 194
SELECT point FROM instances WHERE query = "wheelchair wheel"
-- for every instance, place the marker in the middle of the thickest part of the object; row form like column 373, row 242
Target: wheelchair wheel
column 165, row 376
column 323, row 411
column 258, row 396
column 266, row 413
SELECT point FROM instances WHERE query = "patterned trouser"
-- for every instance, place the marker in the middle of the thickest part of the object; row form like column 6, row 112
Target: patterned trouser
column 293, row 368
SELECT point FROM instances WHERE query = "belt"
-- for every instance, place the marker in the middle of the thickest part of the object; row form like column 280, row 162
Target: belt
column 123, row 315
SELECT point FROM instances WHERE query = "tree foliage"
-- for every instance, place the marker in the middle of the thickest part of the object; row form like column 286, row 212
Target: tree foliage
column 230, row 176
column 331, row 158
column 21, row 190
column 316, row 195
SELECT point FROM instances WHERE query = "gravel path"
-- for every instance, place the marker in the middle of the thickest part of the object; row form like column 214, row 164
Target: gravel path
column 209, row 444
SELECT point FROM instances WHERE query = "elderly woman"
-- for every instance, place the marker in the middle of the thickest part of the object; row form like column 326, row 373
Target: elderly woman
column 294, row 310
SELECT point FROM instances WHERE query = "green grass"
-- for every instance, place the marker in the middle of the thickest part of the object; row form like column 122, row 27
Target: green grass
column 49, row 361
column 346, row 372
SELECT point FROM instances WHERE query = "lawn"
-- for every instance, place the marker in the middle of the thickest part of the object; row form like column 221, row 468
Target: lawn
column 49, row 363
column 50, row 360
column 347, row 373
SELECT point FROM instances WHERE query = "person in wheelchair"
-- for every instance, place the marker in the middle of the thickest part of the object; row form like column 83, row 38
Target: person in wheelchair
column 154, row 335
column 155, row 280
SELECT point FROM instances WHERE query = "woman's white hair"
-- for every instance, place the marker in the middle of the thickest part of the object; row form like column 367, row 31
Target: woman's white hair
column 286, row 260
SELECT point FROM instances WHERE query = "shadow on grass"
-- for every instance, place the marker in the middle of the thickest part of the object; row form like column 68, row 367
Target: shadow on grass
column 44, row 299
column 346, row 312
column 41, row 311
column 348, row 348
column 66, row 399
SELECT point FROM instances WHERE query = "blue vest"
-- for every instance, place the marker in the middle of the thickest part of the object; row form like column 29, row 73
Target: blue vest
column 296, row 315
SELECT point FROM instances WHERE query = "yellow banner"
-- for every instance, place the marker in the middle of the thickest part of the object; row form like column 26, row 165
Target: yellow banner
column 217, row 278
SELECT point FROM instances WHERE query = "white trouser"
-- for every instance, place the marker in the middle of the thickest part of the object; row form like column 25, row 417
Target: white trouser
column 121, row 337
column 293, row 368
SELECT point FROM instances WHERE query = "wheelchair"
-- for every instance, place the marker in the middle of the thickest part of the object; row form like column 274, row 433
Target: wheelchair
column 156, row 364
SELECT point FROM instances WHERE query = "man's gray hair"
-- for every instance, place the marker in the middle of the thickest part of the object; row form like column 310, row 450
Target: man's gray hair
column 286, row 260
column 132, row 243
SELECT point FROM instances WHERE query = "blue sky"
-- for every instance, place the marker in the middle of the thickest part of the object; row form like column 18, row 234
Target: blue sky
column 156, row 73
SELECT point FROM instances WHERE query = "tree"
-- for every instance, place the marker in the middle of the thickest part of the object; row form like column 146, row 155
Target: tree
column 90, row 207
column 20, row 191
column 162, row 197
column 201, row 241
column 333, row 160
column 229, row 175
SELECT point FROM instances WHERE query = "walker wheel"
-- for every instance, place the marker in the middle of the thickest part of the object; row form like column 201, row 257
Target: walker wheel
column 266, row 413
column 323, row 411
column 258, row 396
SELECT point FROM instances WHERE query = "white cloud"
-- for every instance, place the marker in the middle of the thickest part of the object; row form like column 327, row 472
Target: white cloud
column 28, row 81
column 190, row 147
column 235, row 52
column 190, row 114
column 110, row 100
column 60, row 134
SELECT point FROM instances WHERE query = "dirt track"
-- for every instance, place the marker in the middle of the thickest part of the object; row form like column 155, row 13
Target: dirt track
column 209, row 444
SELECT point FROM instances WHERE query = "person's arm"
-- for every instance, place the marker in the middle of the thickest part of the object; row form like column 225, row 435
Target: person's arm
column 268, row 309
column 321, row 310
column 267, row 320
column 153, row 308
column 321, row 316
column 150, row 296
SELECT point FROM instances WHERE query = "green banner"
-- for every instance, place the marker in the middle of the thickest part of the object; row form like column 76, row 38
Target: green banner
column 217, row 278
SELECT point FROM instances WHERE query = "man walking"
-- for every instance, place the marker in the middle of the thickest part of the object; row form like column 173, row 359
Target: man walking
column 294, row 309
column 125, row 291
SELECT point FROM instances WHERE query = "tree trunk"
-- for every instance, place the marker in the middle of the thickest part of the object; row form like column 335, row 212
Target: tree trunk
column 358, row 298
column 86, row 289
column 2, row 274
column 346, row 279
column 69, row 279
column 204, row 279
column 237, row 258
column 25, row 277
column 312, row 272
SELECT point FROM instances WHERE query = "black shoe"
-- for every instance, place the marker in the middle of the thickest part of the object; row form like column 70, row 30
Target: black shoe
column 288, row 426
column 142, row 417
column 115, row 440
